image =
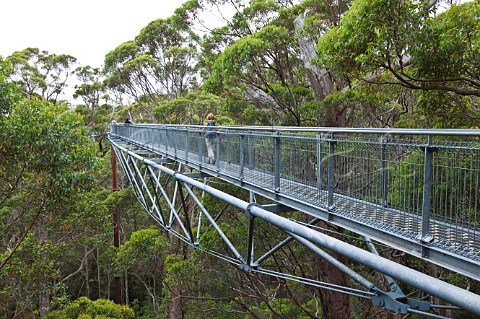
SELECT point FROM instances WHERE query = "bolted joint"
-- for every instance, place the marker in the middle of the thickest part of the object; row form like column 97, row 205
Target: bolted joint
column 391, row 301
column 246, row 268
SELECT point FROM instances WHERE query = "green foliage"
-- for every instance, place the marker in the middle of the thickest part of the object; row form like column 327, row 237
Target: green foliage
column 370, row 33
column 9, row 94
column 450, row 43
column 52, row 142
column 84, row 308
column 41, row 74
column 46, row 163
column 439, row 109
column 184, row 14
column 230, row 63
column 178, row 271
column 144, row 247
column 402, row 38
column 191, row 109
column 30, row 272
column 120, row 55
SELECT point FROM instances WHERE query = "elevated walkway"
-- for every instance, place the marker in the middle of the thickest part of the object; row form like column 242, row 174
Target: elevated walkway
column 413, row 190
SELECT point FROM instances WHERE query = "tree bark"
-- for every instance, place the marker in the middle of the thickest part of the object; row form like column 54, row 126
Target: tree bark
column 125, row 276
column 175, row 302
column 87, row 277
column 320, row 79
column 335, row 305
column 44, row 298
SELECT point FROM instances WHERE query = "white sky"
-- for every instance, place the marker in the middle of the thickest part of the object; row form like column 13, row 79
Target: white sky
column 85, row 29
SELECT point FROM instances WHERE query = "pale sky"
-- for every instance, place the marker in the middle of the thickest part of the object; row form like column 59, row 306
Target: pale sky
column 85, row 29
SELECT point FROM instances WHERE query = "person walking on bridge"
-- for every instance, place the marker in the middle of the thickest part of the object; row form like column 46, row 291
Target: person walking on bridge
column 210, row 137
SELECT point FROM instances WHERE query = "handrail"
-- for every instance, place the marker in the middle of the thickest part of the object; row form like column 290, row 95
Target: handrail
column 326, row 130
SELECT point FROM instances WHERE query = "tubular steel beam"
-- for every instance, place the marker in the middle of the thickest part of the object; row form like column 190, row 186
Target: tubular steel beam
column 330, row 259
column 281, row 244
column 214, row 224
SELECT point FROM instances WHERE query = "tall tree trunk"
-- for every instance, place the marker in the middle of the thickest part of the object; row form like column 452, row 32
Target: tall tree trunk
column 435, row 273
column 99, row 277
column 87, row 277
column 175, row 305
column 125, row 277
column 44, row 303
column 335, row 305
column 175, row 302
column 44, row 298
column 320, row 79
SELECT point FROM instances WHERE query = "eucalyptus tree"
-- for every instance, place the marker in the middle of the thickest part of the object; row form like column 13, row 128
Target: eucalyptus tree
column 46, row 161
column 160, row 64
column 9, row 94
column 263, row 66
column 314, row 21
column 142, row 257
column 421, row 51
column 405, row 44
column 91, row 89
column 192, row 109
column 41, row 74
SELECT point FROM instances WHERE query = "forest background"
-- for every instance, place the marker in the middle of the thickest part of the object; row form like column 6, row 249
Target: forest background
column 335, row 63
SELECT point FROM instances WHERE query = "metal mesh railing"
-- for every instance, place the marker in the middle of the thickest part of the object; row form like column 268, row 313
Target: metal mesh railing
column 419, row 184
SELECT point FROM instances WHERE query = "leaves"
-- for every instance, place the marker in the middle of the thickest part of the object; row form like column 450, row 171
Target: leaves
column 85, row 308
column 144, row 248
column 401, row 38
column 9, row 94
column 41, row 74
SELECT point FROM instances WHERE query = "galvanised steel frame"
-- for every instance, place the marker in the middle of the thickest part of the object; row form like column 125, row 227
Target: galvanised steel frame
column 352, row 173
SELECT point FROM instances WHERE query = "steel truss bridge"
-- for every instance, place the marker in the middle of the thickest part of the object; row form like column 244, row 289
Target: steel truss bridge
column 416, row 191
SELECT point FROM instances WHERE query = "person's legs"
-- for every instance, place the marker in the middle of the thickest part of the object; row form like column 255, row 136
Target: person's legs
column 210, row 142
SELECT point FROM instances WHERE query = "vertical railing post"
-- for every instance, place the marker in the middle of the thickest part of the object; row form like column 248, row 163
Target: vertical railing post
column 427, row 193
column 187, row 144
column 250, row 150
column 167, row 140
column 242, row 155
column 217, row 150
column 159, row 137
column 175, row 141
column 277, row 162
column 384, row 141
column 200, row 148
column 331, row 172
column 227, row 146
column 319, row 163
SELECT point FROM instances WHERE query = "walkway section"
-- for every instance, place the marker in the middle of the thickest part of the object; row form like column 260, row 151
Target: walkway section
column 414, row 190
